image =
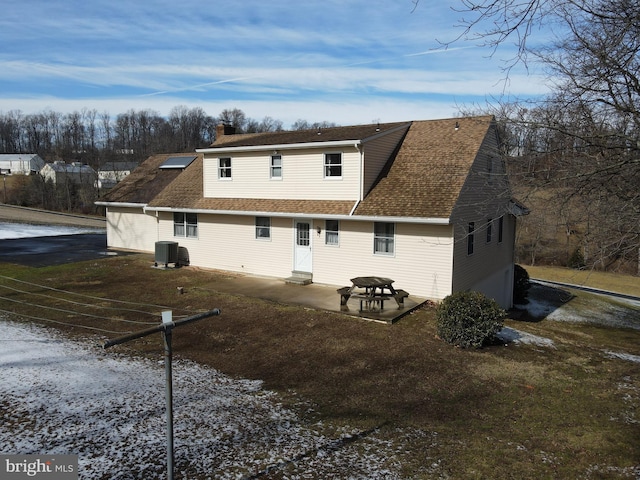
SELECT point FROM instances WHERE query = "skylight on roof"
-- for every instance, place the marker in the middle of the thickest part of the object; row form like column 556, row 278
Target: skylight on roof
column 178, row 162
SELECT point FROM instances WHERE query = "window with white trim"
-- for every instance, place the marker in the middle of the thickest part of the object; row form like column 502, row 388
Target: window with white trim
column 384, row 238
column 275, row 170
column 331, row 232
column 185, row 224
column 333, row 165
column 224, row 168
column 263, row 228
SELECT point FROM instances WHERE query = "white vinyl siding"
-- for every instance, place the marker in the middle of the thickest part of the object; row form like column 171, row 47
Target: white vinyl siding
column 421, row 264
column 302, row 180
column 227, row 242
column 131, row 229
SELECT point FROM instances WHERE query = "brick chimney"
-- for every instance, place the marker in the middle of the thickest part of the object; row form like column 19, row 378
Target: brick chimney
column 223, row 129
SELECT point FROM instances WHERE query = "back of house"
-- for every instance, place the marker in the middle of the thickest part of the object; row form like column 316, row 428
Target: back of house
column 326, row 205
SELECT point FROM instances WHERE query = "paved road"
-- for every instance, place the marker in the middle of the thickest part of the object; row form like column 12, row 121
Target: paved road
column 12, row 213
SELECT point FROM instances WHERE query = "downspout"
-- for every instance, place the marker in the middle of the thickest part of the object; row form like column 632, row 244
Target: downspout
column 361, row 179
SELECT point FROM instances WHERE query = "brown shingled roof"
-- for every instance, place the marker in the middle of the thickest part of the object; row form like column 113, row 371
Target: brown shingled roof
column 424, row 179
column 145, row 182
column 330, row 134
column 429, row 170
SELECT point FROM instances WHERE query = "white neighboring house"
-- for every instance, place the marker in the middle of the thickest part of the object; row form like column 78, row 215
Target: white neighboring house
column 20, row 163
column 60, row 172
column 111, row 173
column 426, row 203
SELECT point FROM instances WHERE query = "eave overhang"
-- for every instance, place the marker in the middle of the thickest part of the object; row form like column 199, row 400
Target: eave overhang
column 258, row 213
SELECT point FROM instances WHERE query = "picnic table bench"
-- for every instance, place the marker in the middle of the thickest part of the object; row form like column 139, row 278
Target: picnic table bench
column 377, row 290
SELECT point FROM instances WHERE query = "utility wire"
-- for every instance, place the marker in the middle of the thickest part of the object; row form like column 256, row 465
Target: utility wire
column 87, row 296
column 77, row 313
column 60, row 323
column 76, row 303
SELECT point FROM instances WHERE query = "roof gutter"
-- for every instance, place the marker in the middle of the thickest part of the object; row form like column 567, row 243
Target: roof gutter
column 121, row 204
column 350, row 216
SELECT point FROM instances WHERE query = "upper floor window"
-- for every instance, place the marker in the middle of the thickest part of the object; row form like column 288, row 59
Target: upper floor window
column 500, row 229
column 489, row 230
column 470, row 237
column 332, row 165
column 263, row 227
column 331, row 232
column 224, row 168
column 276, row 167
column 185, row 224
column 384, row 238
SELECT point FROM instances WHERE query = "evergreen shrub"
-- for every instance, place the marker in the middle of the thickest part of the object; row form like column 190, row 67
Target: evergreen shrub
column 469, row 319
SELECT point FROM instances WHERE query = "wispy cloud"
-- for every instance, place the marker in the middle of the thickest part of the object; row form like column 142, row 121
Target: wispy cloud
column 272, row 57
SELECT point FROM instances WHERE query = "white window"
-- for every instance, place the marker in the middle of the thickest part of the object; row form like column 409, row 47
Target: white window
column 332, row 165
column 185, row 224
column 331, row 232
column 263, row 228
column 224, row 168
column 383, row 238
column 276, row 167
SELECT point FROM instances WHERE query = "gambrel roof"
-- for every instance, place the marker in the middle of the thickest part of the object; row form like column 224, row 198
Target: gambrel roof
column 422, row 179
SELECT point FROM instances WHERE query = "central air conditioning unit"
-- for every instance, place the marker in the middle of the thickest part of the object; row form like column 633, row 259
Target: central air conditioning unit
column 166, row 253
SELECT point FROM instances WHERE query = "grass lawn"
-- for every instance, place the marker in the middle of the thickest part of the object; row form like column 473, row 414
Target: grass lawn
column 564, row 409
column 628, row 284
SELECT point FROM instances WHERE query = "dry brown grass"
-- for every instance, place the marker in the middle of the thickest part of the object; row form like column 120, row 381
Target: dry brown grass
column 502, row 412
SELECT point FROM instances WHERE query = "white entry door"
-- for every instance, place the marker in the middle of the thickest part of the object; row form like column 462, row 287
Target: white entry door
column 302, row 252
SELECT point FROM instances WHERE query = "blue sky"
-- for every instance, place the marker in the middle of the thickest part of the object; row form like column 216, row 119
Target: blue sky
column 343, row 61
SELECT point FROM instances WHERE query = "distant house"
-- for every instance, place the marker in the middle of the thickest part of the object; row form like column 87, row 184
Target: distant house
column 111, row 173
column 20, row 163
column 61, row 173
column 426, row 203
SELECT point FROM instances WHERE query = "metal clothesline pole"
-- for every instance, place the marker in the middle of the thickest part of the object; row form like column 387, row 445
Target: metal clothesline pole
column 166, row 328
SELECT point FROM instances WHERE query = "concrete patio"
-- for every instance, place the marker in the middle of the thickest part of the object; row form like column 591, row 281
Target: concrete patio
column 316, row 296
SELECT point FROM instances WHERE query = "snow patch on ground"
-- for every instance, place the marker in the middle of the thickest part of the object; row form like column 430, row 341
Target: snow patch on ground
column 511, row 335
column 64, row 397
column 10, row 230
column 623, row 356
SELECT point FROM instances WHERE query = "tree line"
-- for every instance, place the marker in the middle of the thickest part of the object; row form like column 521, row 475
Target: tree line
column 96, row 138
column 574, row 155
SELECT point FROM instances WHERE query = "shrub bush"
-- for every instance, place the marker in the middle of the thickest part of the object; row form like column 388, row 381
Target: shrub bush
column 469, row 319
column 521, row 284
column 576, row 260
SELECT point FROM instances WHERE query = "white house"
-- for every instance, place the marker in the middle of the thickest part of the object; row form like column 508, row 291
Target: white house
column 60, row 172
column 111, row 173
column 426, row 203
column 20, row 163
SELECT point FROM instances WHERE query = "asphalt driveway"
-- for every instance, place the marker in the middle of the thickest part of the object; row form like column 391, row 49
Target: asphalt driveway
column 54, row 250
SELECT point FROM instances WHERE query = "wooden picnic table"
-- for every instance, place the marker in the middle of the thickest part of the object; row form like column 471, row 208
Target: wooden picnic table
column 376, row 291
